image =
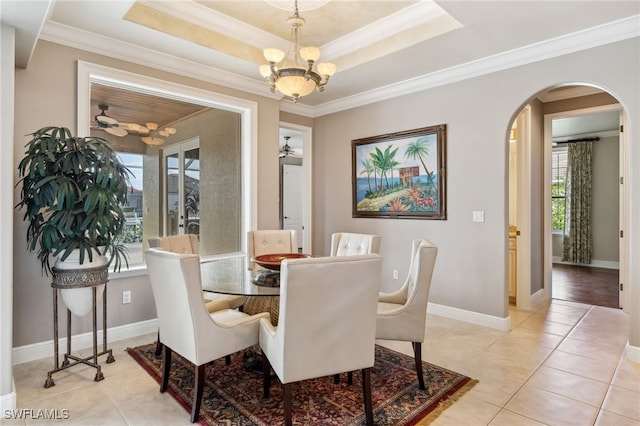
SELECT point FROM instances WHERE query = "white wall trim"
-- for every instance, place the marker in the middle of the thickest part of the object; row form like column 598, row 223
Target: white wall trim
column 9, row 401
column 91, row 42
column 503, row 324
column 633, row 353
column 608, row 264
column 611, row 32
column 41, row 350
column 586, row 39
column 538, row 297
column 307, row 166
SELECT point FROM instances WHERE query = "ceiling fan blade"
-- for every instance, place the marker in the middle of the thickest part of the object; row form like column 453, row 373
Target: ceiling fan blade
column 135, row 128
column 106, row 120
column 116, row 131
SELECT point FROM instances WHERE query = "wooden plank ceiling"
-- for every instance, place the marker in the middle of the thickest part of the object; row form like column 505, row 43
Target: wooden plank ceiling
column 132, row 107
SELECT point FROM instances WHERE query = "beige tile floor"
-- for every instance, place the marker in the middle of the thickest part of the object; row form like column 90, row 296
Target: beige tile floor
column 561, row 364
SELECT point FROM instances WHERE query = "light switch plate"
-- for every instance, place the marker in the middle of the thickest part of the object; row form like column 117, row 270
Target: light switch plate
column 478, row 216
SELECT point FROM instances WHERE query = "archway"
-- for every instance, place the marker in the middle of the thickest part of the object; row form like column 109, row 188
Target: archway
column 533, row 171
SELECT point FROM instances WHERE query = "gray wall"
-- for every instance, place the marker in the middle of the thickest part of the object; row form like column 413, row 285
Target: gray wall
column 471, row 271
column 46, row 95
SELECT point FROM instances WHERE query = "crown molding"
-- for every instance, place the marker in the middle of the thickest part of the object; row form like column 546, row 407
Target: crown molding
column 593, row 37
column 197, row 14
column 608, row 33
column 409, row 17
column 91, row 42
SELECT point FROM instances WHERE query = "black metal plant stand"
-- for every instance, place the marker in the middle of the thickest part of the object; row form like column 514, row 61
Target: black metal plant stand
column 91, row 277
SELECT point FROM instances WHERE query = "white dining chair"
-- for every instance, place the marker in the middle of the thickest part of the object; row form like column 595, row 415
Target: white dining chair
column 185, row 325
column 350, row 243
column 189, row 244
column 402, row 314
column 267, row 241
column 313, row 341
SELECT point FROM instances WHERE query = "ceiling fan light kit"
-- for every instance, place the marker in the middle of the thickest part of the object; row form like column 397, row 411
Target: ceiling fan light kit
column 111, row 126
column 153, row 141
column 293, row 74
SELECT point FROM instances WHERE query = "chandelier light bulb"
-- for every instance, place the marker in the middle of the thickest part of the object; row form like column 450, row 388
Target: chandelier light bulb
column 273, row 55
column 310, row 53
column 327, row 69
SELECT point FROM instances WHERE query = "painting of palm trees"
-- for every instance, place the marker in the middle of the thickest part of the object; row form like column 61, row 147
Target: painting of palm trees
column 400, row 175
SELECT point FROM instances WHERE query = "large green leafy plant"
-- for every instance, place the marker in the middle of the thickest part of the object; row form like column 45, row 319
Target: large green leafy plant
column 73, row 190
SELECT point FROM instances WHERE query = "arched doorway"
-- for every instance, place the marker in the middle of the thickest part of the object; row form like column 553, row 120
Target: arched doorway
column 531, row 184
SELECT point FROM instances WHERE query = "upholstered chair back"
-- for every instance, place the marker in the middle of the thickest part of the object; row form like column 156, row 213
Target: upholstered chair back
column 189, row 244
column 327, row 317
column 185, row 324
column 270, row 241
column 402, row 314
column 349, row 244
column 186, row 327
column 184, row 244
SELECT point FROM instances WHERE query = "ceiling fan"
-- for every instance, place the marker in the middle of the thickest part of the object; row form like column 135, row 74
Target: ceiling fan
column 109, row 124
column 286, row 150
column 113, row 127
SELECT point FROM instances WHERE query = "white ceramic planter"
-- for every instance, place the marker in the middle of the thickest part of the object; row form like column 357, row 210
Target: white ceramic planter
column 79, row 300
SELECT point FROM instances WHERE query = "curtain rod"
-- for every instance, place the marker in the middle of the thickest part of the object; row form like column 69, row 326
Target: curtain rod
column 579, row 140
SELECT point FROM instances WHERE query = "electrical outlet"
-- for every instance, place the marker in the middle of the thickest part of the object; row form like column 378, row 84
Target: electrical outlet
column 395, row 274
column 126, row 297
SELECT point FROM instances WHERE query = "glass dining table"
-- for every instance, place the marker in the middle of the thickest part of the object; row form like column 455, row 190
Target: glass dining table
column 230, row 275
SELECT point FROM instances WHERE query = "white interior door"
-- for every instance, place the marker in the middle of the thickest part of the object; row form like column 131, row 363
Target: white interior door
column 292, row 179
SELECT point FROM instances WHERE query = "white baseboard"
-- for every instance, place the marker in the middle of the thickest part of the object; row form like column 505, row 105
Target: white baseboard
column 40, row 350
column 8, row 401
column 608, row 264
column 633, row 353
column 537, row 297
column 503, row 324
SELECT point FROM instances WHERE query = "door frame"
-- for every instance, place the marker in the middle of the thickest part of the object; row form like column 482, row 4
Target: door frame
column 177, row 148
column 523, row 210
column 307, row 184
column 547, row 140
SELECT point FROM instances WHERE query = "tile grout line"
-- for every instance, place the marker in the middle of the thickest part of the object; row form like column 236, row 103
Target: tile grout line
column 547, row 357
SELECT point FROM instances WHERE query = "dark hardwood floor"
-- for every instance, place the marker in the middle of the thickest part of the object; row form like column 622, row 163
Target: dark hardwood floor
column 583, row 284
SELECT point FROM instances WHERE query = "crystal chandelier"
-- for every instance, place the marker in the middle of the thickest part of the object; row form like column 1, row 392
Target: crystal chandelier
column 293, row 75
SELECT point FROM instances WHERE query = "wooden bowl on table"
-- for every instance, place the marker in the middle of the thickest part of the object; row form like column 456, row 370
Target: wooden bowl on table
column 272, row 261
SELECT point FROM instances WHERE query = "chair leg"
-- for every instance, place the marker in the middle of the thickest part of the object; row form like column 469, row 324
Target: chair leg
column 166, row 366
column 158, row 345
column 366, row 392
column 336, row 378
column 417, row 351
column 287, row 405
column 197, row 392
column 266, row 376
column 227, row 359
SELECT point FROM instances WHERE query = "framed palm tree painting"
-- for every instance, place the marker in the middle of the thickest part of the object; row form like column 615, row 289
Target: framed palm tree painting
column 400, row 175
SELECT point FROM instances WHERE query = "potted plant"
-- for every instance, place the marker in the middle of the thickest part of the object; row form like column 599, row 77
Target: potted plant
column 73, row 190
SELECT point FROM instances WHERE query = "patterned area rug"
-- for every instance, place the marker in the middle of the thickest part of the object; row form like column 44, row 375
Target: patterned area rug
column 233, row 394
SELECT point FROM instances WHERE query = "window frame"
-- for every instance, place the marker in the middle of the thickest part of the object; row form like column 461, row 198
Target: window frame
column 557, row 151
column 89, row 73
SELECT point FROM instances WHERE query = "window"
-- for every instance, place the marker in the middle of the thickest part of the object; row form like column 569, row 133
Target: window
column 133, row 209
column 558, row 186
